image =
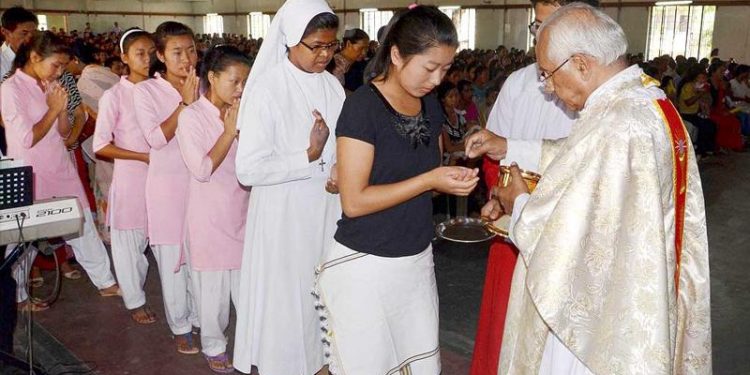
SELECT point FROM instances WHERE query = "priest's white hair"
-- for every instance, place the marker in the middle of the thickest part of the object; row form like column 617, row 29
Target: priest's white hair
column 579, row 28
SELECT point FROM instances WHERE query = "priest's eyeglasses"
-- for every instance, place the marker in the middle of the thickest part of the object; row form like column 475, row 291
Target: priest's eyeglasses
column 318, row 49
column 544, row 76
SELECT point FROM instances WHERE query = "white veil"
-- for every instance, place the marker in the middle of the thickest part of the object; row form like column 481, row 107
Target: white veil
column 285, row 31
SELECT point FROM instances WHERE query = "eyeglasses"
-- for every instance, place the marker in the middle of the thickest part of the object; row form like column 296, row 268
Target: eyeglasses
column 544, row 76
column 534, row 27
column 330, row 47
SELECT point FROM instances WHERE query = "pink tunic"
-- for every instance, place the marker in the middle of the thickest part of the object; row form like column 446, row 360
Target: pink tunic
column 167, row 182
column 217, row 204
column 117, row 122
column 23, row 105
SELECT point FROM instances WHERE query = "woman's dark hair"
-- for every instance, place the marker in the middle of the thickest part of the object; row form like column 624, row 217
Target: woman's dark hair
column 716, row 66
column 44, row 44
column 218, row 58
column 412, row 31
column 742, row 69
column 163, row 32
column 323, row 21
column 665, row 81
column 443, row 90
column 353, row 36
column 131, row 37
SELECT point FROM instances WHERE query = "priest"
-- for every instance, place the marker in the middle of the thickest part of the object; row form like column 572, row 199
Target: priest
column 613, row 274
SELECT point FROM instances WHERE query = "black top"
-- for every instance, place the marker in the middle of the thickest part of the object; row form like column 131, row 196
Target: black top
column 405, row 229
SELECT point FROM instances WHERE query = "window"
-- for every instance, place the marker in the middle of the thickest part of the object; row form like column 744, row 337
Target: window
column 42, row 22
column 371, row 20
column 213, row 24
column 681, row 30
column 257, row 24
column 465, row 21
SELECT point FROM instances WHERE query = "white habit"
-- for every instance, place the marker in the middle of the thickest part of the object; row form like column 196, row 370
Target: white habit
column 292, row 219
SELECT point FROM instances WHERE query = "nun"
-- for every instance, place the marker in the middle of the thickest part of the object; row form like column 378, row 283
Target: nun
column 288, row 110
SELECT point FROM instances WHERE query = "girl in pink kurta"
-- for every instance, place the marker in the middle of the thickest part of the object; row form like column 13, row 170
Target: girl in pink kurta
column 36, row 124
column 217, row 204
column 118, row 136
column 158, row 102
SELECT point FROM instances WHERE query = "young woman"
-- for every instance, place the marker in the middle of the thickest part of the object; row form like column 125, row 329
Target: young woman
column 118, row 136
column 693, row 90
column 454, row 125
column 466, row 101
column 286, row 155
column 37, row 124
column 158, row 103
column 217, row 204
column 378, row 282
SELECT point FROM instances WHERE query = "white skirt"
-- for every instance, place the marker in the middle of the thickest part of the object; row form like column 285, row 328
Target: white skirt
column 380, row 314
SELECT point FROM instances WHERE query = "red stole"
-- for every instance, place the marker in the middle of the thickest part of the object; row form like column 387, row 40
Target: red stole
column 680, row 143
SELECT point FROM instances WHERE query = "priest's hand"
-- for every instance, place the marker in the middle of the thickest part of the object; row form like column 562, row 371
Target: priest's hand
column 492, row 210
column 507, row 194
column 318, row 137
column 333, row 180
column 453, row 180
column 485, row 142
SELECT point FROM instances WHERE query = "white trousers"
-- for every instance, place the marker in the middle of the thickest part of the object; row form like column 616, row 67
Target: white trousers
column 179, row 306
column 131, row 265
column 213, row 292
column 90, row 254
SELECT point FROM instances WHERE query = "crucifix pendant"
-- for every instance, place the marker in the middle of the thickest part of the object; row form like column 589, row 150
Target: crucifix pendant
column 321, row 164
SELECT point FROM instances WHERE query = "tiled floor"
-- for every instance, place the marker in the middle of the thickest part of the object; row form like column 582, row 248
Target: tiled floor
column 100, row 332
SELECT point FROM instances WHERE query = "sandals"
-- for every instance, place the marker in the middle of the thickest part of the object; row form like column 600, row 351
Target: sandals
column 111, row 291
column 143, row 315
column 220, row 363
column 185, row 344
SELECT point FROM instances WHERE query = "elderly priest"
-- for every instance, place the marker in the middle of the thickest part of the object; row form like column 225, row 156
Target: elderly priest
column 614, row 274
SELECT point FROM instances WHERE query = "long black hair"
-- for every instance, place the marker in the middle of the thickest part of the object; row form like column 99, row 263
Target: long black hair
column 412, row 31
column 162, row 33
column 44, row 44
column 218, row 58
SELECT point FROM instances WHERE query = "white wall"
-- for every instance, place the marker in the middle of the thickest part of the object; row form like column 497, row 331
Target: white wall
column 731, row 34
column 494, row 26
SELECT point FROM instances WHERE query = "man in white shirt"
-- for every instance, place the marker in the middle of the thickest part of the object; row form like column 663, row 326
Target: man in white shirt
column 18, row 26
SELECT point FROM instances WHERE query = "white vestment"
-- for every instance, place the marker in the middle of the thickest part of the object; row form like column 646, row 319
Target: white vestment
column 291, row 219
column 597, row 244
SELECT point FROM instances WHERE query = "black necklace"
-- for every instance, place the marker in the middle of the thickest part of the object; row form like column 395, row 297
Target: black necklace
column 415, row 129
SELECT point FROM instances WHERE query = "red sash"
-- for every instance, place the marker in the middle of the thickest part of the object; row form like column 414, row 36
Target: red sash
column 680, row 144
